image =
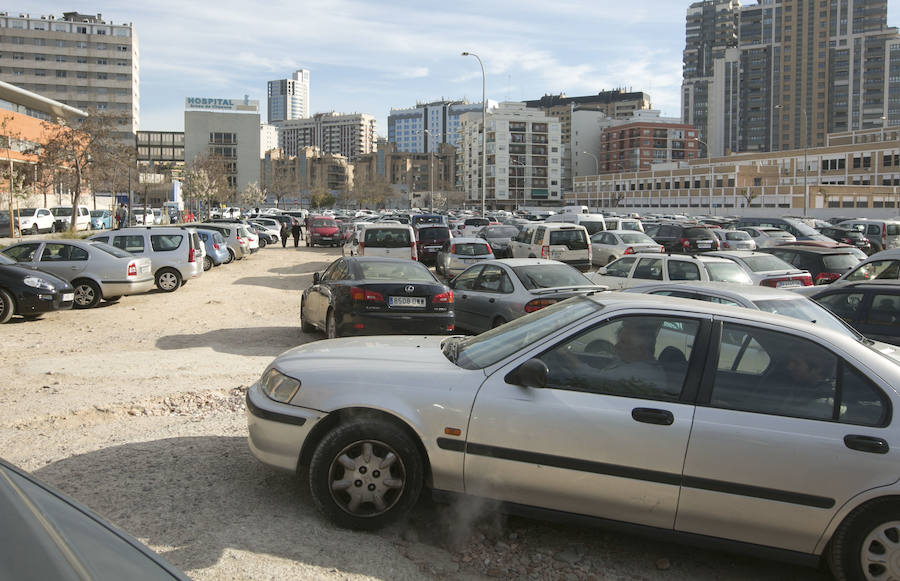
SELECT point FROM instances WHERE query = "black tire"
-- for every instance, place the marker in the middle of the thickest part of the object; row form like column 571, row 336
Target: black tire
column 230, row 258
column 168, row 280
column 34, row 229
column 365, row 449
column 331, row 329
column 112, row 299
column 207, row 263
column 851, row 542
column 262, row 242
column 7, row 306
column 53, row 228
column 304, row 326
column 33, row 316
column 87, row 294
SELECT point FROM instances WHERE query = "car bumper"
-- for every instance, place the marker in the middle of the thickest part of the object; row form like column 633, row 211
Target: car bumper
column 394, row 323
column 276, row 431
column 119, row 288
column 30, row 302
column 582, row 265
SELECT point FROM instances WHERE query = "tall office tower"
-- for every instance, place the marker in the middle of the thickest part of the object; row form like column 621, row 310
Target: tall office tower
column 799, row 69
column 289, row 98
column 440, row 119
column 350, row 135
column 80, row 60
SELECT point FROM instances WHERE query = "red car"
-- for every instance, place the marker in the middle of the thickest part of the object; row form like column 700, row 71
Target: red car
column 323, row 231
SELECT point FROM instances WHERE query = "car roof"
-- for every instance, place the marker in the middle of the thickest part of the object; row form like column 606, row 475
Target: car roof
column 469, row 240
column 845, row 249
column 893, row 285
column 514, row 262
column 737, row 253
column 748, row 292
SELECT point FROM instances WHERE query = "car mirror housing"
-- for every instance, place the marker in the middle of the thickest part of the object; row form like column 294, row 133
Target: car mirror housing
column 532, row 373
column 601, row 270
column 317, row 278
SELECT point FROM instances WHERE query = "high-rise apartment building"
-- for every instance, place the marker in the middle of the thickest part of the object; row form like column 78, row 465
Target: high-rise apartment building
column 349, row 135
column 289, row 98
column 782, row 74
column 423, row 128
column 80, row 60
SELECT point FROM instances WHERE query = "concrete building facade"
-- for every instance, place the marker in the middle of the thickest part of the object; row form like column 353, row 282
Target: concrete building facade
column 426, row 126
column 291, row 180
column 268, row 138
column 289, row 98
column 225, row 128
column 347, row 135
column 80, row 60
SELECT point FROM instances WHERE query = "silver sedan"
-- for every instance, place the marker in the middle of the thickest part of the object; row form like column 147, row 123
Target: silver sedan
column 496, row 291
column 612, row 244
column 96, row 270
column 706, row 423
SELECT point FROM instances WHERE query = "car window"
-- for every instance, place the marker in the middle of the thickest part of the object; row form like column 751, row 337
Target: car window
column 630, row 225
column 893, row 230
column 387, row 237
column 22, row 253
column 683, row 270
column 636, row 238
column 493, row 279
column 407, row 271
column 118, row 253
column 640, row 356
column 55, row 252
column 791, row 376
column 165, row 242
column 840, row 261
column 766, row 262
column 331, row 271
column 606, row 238
column 805, row 310
column 104, row 239
column 539, row 234
column 736, row 235
column 884, row 310
column 727, row 272
column 471, row 249
column 649, row 269
column 129, row 243
column 466, row 280
column 549, row 275
column 844, row 305
column 426, row 234
column 621, row 267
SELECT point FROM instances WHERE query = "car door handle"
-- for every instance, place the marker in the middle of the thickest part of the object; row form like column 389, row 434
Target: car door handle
column 653, row 416
column 867, row 444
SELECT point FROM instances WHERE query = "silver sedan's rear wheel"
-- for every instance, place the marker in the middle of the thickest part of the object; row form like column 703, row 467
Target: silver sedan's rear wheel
column 867, row 545
column 366, row 474
column 87, row 294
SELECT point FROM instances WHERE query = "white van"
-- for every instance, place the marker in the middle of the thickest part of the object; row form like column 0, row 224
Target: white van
column 593, row 222
column 386, row 240
column 63, row 217
column 565, row 242
column 632, row 224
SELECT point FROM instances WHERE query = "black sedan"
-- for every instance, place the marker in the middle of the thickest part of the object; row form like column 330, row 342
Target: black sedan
column 376, row 296
column 29, row 293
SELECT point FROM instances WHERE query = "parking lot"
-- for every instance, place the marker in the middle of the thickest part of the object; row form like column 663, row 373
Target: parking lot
column 136, row 409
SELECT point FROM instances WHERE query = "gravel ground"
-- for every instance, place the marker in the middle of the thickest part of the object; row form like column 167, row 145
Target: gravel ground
column 136, row 409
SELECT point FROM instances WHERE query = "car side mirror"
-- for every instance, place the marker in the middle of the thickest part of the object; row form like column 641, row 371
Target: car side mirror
column 452, row 283
column 532, row 373
column 317, row 278
column 601, row 270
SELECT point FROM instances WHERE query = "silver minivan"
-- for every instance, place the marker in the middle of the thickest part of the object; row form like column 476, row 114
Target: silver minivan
column 176, row 252
column 883, row 234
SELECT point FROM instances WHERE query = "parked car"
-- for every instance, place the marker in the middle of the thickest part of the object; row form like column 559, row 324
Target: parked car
column 35, row 220
column 499, row 237
column 767, row 270
column 734, row 239
column 176, row 252
column 458, row 254
column 799, row 229
column 430, row 238
column 30, row 293
column 324, row 231
column 872, row 308
column 630, row 271
column 5, row 225
column 768, row 237
column 881, row 266
column 102, row 220
column 849, row 236
column 235, row 237
column 63, row 217
column 469, row 225
column 686, row 238
column 269, row 226
column 882, row 234
column 824, row 263
column 364, row 295
column 560, row 241
column 385, row 239
column 141, row 215
column 683, row 419
column 216, row 248
column 494, row 292
column 95, row 270
column 47, row 535
column 612, row 244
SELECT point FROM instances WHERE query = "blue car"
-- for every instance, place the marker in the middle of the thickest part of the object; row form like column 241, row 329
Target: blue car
column 216, row 248
column 101, row 219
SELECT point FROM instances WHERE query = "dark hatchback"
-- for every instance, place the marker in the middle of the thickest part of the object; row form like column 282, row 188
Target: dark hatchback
column 29, row 293
column 429, row 240
column 848, row 236
column 686, row 238
column 363, row 295
column 872, row 308
column 825, row 263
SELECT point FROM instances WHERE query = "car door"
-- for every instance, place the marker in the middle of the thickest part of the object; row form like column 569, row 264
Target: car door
column 318, row 299
column 63, row 260
column 786, row 431
column 464, row 311
column 607, row 435
column 483, row 301
column 882, row 316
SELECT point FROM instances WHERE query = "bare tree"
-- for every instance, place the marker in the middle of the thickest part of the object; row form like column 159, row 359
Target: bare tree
column 205, row 181
column 10, row 175
column 252, row 196
column 114, row 173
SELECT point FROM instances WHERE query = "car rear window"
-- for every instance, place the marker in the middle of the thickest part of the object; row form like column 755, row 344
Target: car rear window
column 704, row 233
column 407, row 271
column 571, row 239
column 727, row 272
column 840, row 261
column 737, row 235
column 776, row 233
column 165, row 242
column 893, row 230
column 636, row 238
column 434, row 234
column 766, row 263
column 471, row 249
column 630, row 225
column 118, row 253
column 592, row 227
column 387, row 237
column 550, row 276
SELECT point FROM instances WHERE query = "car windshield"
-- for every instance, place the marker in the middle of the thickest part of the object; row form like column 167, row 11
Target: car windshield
column 805, row 310
column 766, row 262
column 840, row 261
column 492, row 346
column 97, row 213
column 592, row 227
column 500, row 232
column 736, row 235
column 630, row 225
column 6, row 260
column 776, row 233
column 61, row 212
column 879, row 269
column 636, row 238
column 550, row 275
column 323, row 224
column 727, row 272
column 111, row 250
column 407, row 271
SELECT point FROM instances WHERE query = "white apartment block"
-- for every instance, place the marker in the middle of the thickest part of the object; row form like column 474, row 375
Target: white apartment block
column 268, row 138
column 80, row 60
column 524, row 157
column 423, row 128
column 289, row 98
column 350, row 135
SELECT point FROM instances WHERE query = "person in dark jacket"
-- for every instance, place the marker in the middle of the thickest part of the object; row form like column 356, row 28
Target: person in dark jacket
column 284, row 234
column 295, row 230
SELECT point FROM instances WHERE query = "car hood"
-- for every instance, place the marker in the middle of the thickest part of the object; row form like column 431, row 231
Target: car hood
column 389, row 351
column 24, row 271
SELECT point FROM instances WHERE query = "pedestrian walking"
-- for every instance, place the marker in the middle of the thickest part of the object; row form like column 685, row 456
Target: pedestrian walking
column 284, row 234
column 121, row 216
column 295, row 230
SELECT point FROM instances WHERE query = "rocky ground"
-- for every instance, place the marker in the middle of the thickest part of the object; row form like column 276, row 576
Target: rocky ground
column 136, row 409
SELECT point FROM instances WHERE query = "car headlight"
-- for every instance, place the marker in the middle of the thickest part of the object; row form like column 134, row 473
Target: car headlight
column 278, row 386
column 35, row 282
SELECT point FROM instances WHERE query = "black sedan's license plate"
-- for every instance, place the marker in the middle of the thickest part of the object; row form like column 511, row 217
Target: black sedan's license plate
column 417, row 302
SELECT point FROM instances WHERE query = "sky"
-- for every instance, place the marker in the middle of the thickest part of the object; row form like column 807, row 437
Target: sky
column 371, row 56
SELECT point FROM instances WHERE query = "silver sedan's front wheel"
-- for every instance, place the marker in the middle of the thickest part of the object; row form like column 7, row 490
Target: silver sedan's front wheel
column 365, row 474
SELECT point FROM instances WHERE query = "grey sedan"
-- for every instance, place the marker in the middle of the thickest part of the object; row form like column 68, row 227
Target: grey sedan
column 96, row 270
column 496, row 291
column 612, row 244
column 498, row 237
column 704, row 423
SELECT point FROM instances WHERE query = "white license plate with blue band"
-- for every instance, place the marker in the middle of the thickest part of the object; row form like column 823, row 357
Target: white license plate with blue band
column 68, row 297
column 407, row 302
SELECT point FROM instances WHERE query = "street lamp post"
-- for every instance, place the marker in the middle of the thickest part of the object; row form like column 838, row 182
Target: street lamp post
column 597, row 167
column 483, row 131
